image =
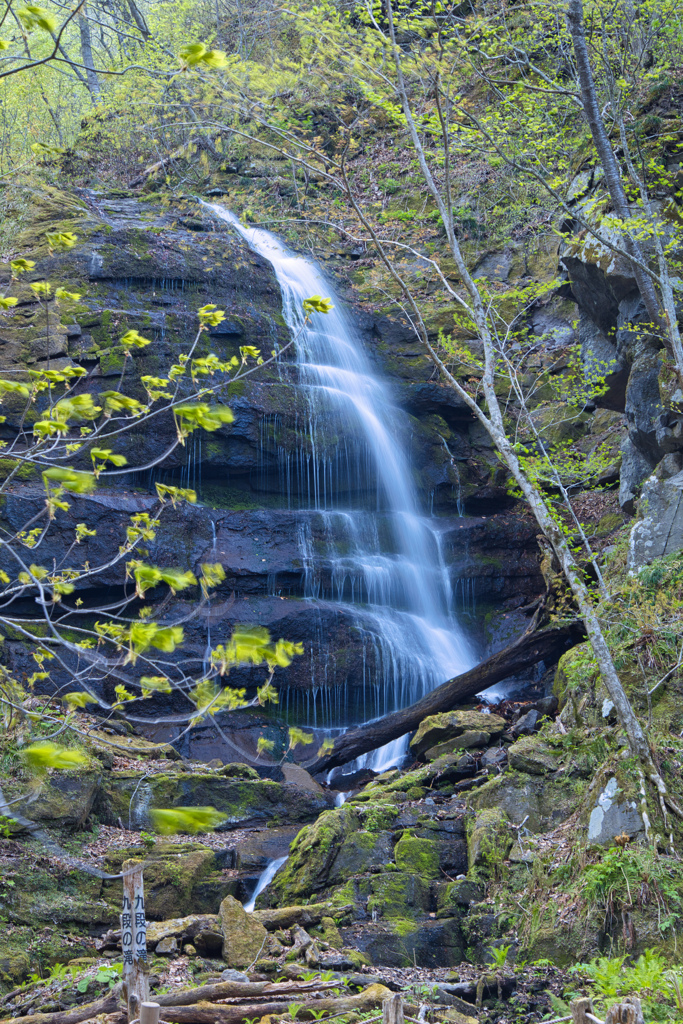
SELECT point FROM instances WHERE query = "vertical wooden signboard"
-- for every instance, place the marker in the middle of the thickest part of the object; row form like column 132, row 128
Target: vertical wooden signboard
column 134, row 939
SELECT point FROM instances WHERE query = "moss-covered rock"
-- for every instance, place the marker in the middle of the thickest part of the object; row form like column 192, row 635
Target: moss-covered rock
column 542, row 802
column 361, row 852
column 417, row 856
column 490, row 839
column 529, row 754
column 128, row 796
column 447, row 725
column 64, row 799
column 243, row 937
column 312, row 855
column 466, row 741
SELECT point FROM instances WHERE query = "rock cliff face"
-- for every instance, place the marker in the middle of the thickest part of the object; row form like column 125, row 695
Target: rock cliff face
column 141, row 266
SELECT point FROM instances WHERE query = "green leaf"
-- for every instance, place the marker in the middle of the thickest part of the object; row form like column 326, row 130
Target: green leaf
column 62, row 293
column 71, row 479
column 59, row 241
column 155, row 684
column 185, row 819
column 79, row 699
column 21, row 266
column 7, row 301
column 298, row 736
column 210, row 314
column 316, row 304
column 114, row 401
column 175, row 493
column 131, row 339
column 44, row 754
column 194, row 415
column 32, row 17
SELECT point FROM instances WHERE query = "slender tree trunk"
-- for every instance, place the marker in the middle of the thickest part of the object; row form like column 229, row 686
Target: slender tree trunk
column 613, row 179
column 86, row 55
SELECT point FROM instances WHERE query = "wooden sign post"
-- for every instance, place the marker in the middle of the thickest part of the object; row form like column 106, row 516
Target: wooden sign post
column 134, row 939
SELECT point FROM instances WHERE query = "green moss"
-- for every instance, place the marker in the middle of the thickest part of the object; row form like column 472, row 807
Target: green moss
column 418, row 856
column 399, row 895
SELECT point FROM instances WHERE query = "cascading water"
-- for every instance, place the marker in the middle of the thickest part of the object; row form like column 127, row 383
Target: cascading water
column 385, row 557
column 267, row 876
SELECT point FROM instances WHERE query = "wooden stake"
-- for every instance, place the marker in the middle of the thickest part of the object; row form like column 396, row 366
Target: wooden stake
column 628, row 1012
column 392, row 1009
column 134, row 939
column 149, row 1013
column 581, row 1007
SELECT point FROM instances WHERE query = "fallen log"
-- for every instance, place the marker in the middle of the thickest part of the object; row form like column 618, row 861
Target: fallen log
column 219, row 1013
column 240, row 990
column 108, row 1004
column 542, row 645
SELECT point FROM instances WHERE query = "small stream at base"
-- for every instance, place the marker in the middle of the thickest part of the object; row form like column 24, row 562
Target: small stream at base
column 393, row 580
column 267, row 876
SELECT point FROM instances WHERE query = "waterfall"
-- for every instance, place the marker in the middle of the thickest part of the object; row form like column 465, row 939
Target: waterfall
column 265, row 879
column 383, row 549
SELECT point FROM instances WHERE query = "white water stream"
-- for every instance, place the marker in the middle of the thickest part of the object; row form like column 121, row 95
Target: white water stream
column 392, row 575
column 265, row 879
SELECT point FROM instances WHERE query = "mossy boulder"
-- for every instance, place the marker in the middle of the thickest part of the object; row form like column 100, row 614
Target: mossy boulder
column 542, row 802
column 243, row 801
column 63, row 799
column 169, row 882
column 447, row 725
column 529, row 754
column 15, row 961
column 331, row 933
column 490, row 839
column 361, row 852
column 458, row 894
column 243, row 937
column 556, row 422
column 181, row 927
column 466, row 741
column 417, row 856
column 400, row 895
column 403, row 942
column 312, row 855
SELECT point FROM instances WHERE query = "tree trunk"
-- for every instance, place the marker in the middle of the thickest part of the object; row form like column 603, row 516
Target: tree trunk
column 613, row 178
column 528, row 650
column 109, row 1004
column 86, row 54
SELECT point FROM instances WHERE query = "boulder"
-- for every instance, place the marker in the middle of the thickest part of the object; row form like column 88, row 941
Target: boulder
column 285, row 917
column 243, row 801
column 418, row 856
column 541, row 802
column 660, row 531
column 244, row 938
column 230, row 974
column 64, row 800
column 526, row 724
column 181, row 927
column 635, row 468
column 644, row 403
column 167, row 946
column 495, row 758
column 530, row 756
column 490, row 838
column 259, row 848
column 295, row 775
column 361, row 852
column 448, row 725
column 613, row 817
column 465, row 741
